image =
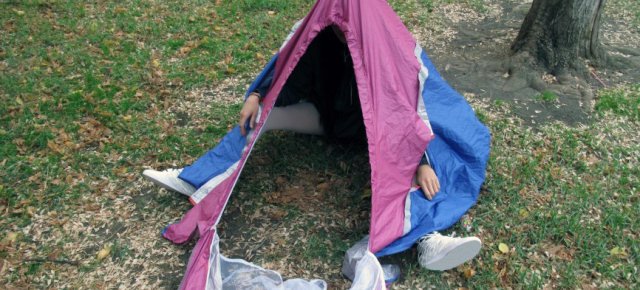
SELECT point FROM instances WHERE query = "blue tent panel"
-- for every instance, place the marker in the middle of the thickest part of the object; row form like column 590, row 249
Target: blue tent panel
column 458, row 154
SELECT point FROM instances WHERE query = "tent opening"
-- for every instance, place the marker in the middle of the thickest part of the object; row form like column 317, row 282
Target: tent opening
column 324, row 76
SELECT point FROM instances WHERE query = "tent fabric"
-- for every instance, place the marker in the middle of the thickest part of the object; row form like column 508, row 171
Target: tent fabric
column 398, row 88
column 458, row 155
column 385, row 66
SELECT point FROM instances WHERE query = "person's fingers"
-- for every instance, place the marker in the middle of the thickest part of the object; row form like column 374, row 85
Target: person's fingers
column 429, row 190
column 243, row 120
column 253, row 120
column 427, row 185
column 425, row 190
column 437, row 182
column 436, row 188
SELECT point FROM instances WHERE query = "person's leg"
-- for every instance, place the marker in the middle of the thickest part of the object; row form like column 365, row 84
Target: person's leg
column 302, row 117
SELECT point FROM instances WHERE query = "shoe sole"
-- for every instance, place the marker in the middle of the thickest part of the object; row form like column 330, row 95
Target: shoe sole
column 456, row 256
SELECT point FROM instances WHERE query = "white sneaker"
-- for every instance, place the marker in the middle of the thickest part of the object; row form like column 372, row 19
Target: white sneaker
column 169, row 179
column 438, row 252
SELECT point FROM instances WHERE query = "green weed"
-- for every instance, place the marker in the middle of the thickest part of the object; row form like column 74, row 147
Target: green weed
column 620, row 102
column 547, row 97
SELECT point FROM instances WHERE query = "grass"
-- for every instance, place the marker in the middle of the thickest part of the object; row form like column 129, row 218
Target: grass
column 95, row 91
column 620, row 102
column 547, row 97
column 627, row 9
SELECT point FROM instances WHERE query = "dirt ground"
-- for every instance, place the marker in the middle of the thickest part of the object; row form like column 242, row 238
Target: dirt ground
column 470, row 54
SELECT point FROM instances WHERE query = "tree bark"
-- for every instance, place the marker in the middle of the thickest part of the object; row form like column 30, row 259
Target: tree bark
column 561, row 34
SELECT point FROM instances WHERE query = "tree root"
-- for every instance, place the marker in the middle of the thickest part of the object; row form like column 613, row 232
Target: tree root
column 522, row 71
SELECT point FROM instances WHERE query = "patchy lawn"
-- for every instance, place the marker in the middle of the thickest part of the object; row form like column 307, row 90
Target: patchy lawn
column 93, row 92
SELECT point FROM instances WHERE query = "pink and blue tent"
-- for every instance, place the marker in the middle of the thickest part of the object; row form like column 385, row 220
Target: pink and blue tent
column 406, row 107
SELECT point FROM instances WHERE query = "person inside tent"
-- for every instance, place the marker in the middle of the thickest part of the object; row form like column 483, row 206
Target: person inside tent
column 321, row 97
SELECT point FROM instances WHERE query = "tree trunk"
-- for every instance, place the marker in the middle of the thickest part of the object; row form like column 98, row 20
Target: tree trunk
column 560, row 34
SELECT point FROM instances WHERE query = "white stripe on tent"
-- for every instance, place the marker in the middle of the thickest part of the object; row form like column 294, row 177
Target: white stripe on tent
column 407, row 213
column 422, row 76
column 293, row 30
column 202, row 192
column 422, row 112
column 255, row 133
column 232, row 169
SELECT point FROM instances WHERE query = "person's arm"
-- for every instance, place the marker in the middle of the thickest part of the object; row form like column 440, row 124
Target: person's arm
column 425, row 159
column 427, row 179
column 251, row 105
column 263, row 88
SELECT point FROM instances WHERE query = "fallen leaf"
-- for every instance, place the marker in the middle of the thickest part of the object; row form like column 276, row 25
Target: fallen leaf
column 54, row 147
column 618, row 252
column 277, row 214
column 31, row 211
column 11, row 237
column 104, row 252
column 323, row 187
column 592, row 159
column 54, row 254
column 281, row 180
column 228, row 59
column 366, row 193
column 468, row 272
column 523, row 213
column 503, row 248
column 560, row 252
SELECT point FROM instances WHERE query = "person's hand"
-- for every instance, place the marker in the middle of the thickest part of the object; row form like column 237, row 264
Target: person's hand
column 249, row 112
column 428, row 181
